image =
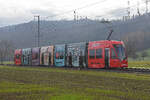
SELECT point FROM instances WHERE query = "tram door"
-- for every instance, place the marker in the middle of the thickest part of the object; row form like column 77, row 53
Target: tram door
column 107, row 57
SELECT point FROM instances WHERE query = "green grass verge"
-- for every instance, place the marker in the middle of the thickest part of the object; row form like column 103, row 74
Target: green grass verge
column 145, row 64
column 30, row 83
column 8, row 62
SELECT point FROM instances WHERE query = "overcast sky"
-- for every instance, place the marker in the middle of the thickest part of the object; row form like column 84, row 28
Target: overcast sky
column 19, row 11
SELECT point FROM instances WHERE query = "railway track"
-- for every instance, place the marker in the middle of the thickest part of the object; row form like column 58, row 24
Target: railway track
column 125, row 70
column 132, row 70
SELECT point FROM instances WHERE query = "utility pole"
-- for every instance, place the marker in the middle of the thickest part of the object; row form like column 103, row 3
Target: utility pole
column 38, row 29
column 74, row 15
column 138, row 9
column 146, row 2
column 128, row 10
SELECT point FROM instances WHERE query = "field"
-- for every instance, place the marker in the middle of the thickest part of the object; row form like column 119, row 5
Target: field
column 29, row 83
column 8, row 62
column 139, row 64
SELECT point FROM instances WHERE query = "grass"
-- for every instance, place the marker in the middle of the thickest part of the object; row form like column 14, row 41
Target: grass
column 30, row 83
column 140, row 55
column 142, row 64
column 8, row 62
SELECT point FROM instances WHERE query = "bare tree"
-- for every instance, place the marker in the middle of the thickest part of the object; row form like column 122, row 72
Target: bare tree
column 130, row 46
column 135, row 56
column 6, row 50
column 136, row 41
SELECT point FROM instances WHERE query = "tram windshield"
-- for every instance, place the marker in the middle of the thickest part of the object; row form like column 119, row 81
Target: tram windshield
column 120, row 50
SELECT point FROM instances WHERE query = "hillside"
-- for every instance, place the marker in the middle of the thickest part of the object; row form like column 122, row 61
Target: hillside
column 53, row 32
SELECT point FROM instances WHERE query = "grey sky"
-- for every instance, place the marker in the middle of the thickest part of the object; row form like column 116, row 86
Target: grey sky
column 18, row 11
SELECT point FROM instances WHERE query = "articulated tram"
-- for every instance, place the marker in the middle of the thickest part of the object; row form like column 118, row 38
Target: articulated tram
column 94, row 54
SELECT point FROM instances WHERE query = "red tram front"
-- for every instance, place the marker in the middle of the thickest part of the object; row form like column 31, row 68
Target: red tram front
column 106, row 54
column 17, row 56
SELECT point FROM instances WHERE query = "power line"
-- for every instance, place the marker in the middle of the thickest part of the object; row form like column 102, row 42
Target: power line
column 70, row 11
column 89, row 6
column 107, row 14
column 74, row 10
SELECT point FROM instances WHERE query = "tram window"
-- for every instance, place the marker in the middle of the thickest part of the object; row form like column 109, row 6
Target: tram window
column 60, row 55
column 49, row 58
column 99, row 53
column 42, row 58
column 57, row 55
column 92, row 54
column 113, row 55
column 35, row 56
column 17, row 56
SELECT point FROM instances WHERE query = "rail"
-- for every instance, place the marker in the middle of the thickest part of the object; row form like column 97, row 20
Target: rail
column 126, row 70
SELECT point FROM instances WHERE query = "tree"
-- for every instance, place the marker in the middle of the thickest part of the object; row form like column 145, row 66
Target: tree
column 134, row 56
column 6, row 50
column 131, row 47
column 144, row 54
